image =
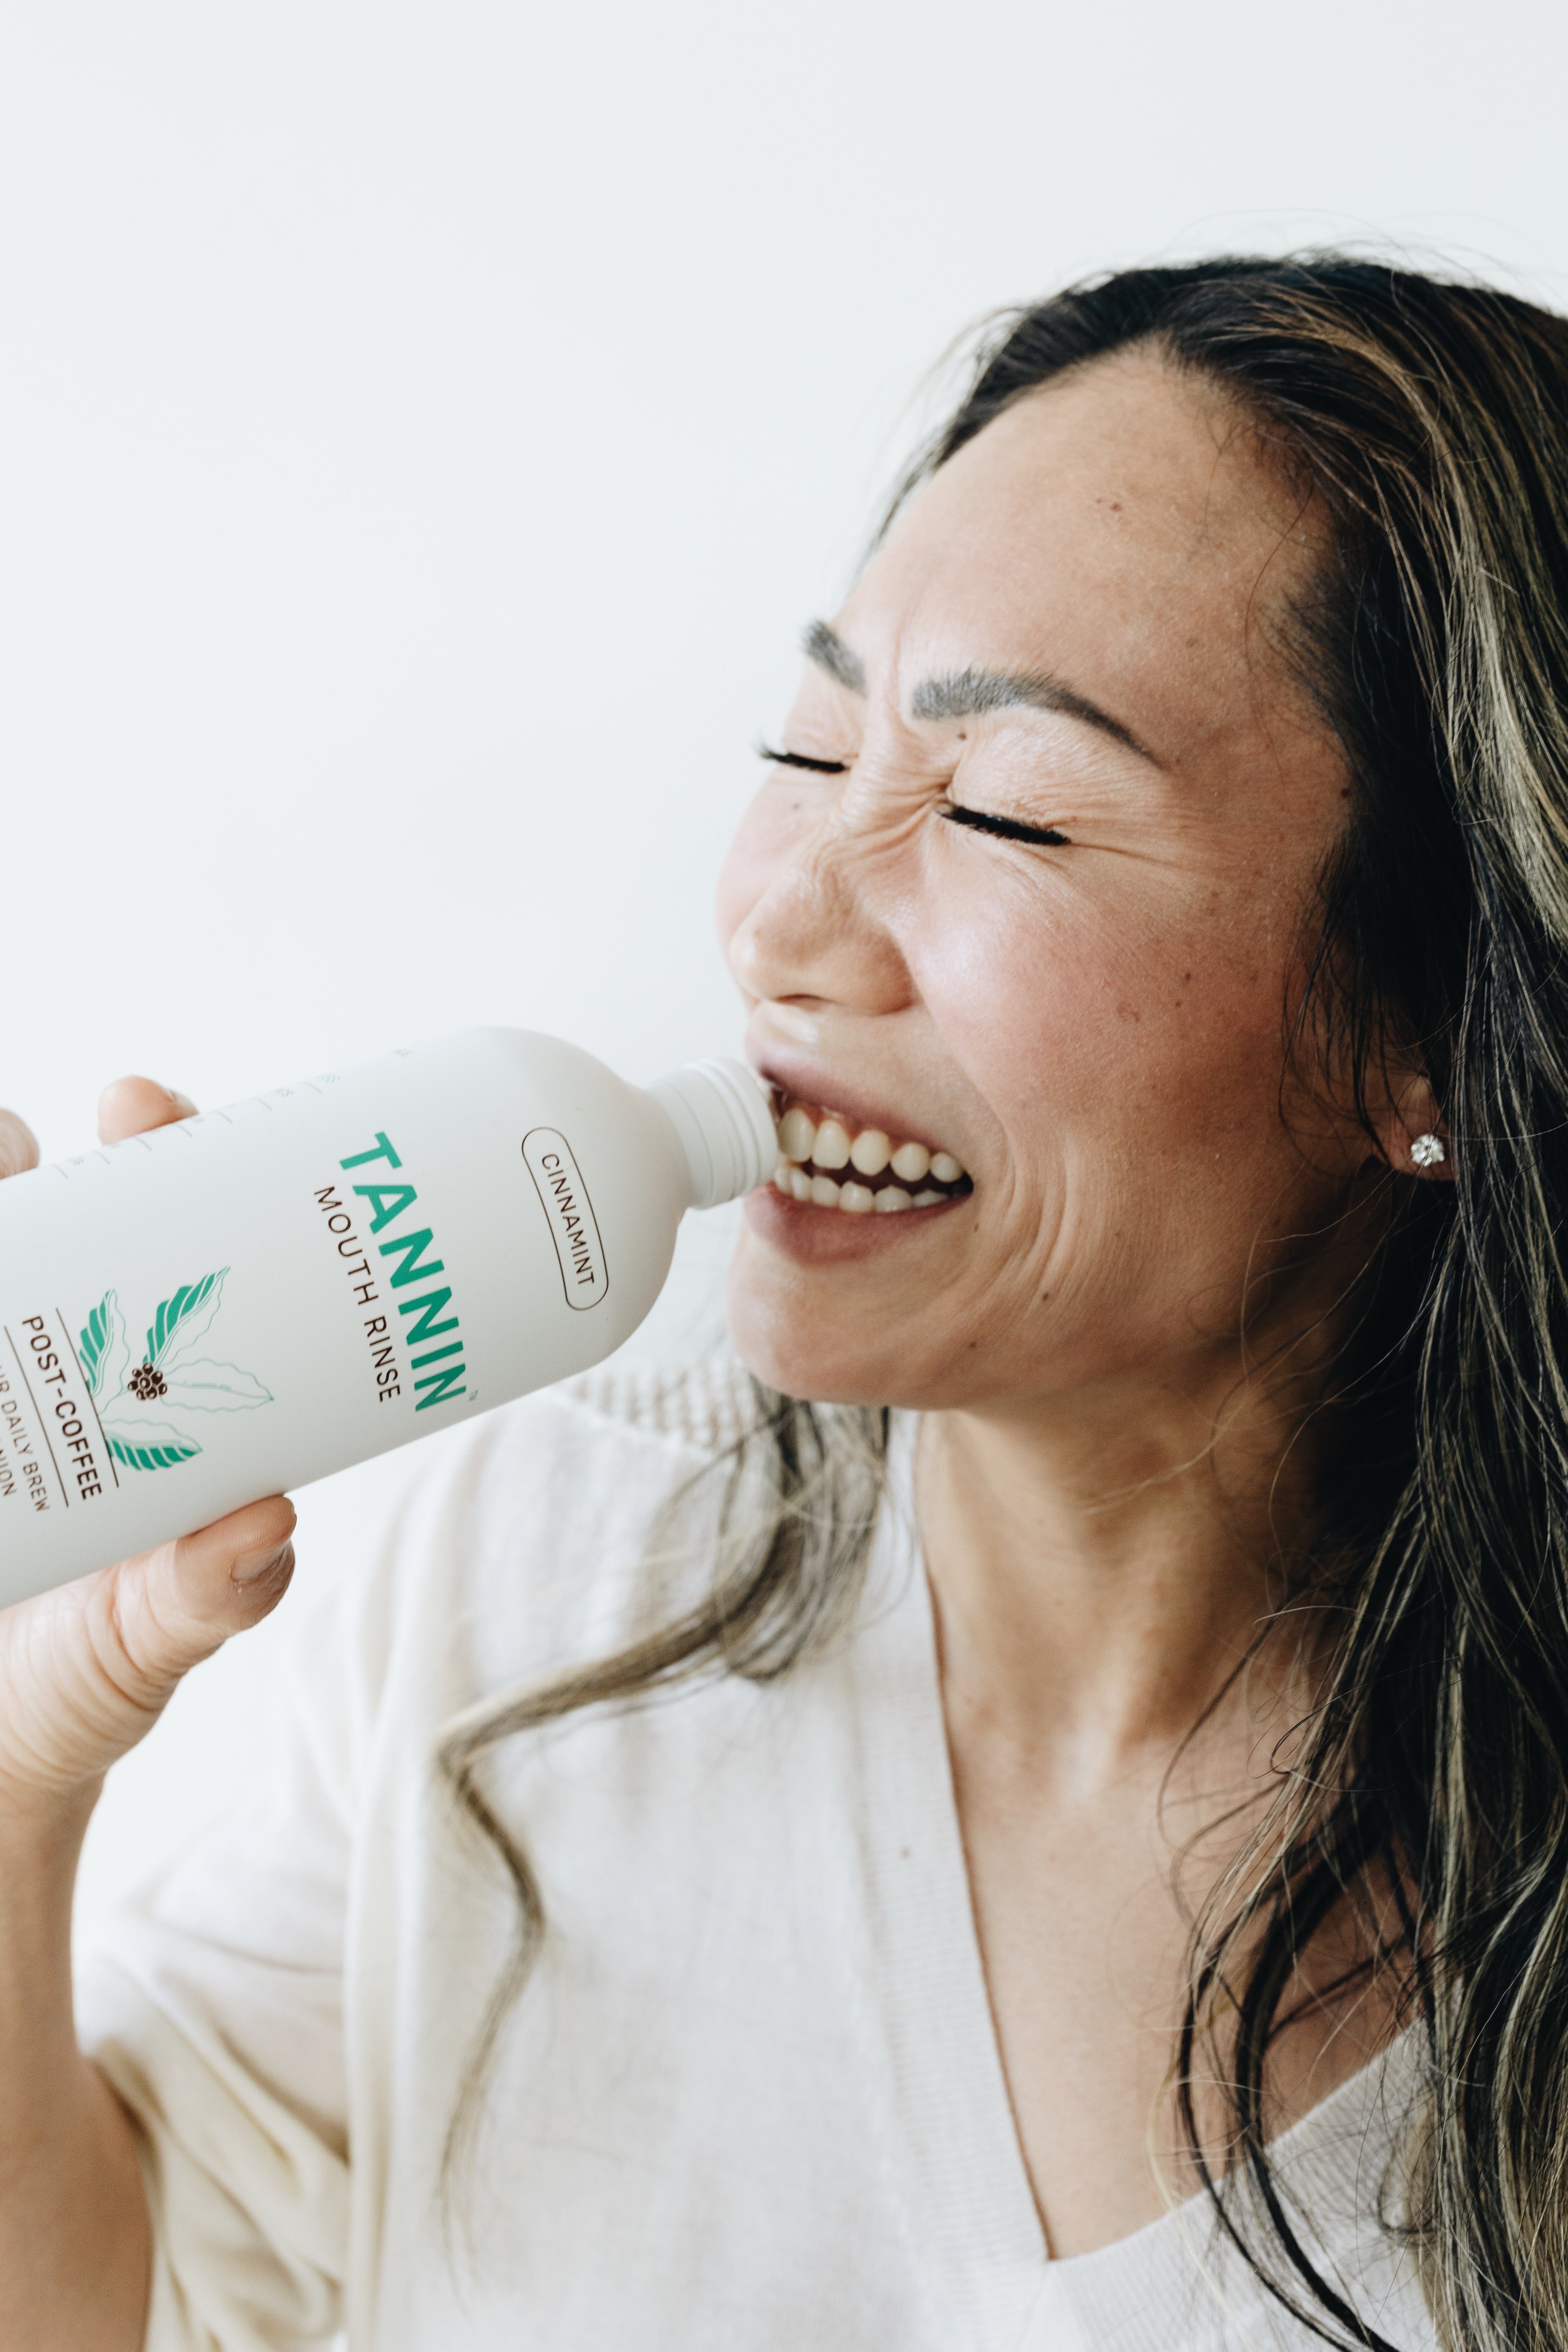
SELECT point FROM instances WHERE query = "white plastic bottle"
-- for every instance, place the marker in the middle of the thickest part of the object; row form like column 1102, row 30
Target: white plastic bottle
column 235, row 1304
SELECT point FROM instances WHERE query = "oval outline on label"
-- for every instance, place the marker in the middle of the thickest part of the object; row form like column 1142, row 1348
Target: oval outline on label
column 569, row 1213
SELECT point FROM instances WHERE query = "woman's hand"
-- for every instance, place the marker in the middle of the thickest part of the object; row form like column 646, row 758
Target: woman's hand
column 85, row 1671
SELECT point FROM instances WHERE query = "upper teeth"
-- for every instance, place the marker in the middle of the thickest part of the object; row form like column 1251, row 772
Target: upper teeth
column 817, row 1146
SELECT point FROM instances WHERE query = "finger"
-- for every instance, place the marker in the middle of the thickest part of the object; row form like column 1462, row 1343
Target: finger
column 86, row 1668
column 232, row 1574
column 18, row 1145
column 174, row 1606
column 135, row 1106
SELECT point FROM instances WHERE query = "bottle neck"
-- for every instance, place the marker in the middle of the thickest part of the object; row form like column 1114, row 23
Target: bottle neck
column 725, row 1127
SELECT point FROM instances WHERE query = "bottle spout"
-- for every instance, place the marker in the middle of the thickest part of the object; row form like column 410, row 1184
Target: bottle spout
column 721, row 1116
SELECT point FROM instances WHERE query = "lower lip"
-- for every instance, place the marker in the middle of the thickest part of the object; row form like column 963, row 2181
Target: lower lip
column 814, row 1236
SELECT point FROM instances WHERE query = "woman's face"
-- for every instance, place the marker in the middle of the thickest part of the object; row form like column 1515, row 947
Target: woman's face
column 1076, row 626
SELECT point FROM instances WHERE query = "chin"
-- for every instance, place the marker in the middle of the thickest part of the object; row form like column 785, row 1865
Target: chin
column 795, row 1342
column 784, row 1351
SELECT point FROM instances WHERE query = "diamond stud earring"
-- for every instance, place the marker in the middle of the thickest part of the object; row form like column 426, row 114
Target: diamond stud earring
column 1427, row 1151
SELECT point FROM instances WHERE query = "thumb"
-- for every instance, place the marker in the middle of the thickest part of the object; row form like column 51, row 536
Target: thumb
column 169, row 1609
column 86, row 1671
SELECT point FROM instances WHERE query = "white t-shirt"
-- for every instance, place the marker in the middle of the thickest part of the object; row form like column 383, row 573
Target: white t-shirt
column 751, row 2096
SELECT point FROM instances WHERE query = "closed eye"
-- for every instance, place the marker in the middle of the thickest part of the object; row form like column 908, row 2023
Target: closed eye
column 1006, row 828
column 799, row 759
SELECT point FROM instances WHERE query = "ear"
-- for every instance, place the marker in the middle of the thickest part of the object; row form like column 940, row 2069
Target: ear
column 1408, row 1125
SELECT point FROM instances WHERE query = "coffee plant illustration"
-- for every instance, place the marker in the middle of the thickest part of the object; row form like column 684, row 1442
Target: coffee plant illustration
column 146, row 1409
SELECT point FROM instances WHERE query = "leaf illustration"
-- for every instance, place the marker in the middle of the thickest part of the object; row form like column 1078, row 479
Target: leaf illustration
column 153, row 1458
column 213, row 1388
column 145, row 1441
column 188, row 1314
column 126, row 1417
column 105, row 1349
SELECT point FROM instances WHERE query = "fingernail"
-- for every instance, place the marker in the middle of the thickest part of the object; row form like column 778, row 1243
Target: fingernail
column 258, row 1567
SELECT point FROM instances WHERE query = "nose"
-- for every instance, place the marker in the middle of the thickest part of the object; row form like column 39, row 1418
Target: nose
column 813, row 934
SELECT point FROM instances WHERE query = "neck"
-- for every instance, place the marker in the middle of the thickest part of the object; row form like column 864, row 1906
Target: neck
column 1101, row 1564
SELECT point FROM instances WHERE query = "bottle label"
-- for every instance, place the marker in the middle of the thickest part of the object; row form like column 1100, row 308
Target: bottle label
column 384, row 1204
column 573, row 1227
column 101, row 1402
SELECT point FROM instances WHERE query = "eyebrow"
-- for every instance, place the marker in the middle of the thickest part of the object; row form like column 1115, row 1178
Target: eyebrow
column 823, row 644
column 972, row 693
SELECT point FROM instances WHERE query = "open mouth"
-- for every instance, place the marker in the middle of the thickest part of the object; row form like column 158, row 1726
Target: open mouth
column 827, row 1160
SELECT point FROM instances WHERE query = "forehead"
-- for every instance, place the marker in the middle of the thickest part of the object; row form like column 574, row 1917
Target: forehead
column 1122, row 526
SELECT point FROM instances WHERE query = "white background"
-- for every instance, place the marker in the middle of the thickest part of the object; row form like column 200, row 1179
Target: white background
column 424, row 431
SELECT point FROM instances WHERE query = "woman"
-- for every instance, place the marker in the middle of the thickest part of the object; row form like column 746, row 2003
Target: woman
column 1063, row 1836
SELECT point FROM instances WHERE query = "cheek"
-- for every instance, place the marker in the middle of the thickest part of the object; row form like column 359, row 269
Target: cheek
column 1076, row 1022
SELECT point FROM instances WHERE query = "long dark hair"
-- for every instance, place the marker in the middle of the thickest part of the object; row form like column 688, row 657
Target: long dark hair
column 1429, row 420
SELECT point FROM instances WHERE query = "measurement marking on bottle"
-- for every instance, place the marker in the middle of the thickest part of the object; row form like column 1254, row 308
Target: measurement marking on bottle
column 86, row 1391
column 39, row 1417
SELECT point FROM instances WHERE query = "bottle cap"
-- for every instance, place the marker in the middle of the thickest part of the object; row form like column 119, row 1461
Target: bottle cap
column 726, row 1128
